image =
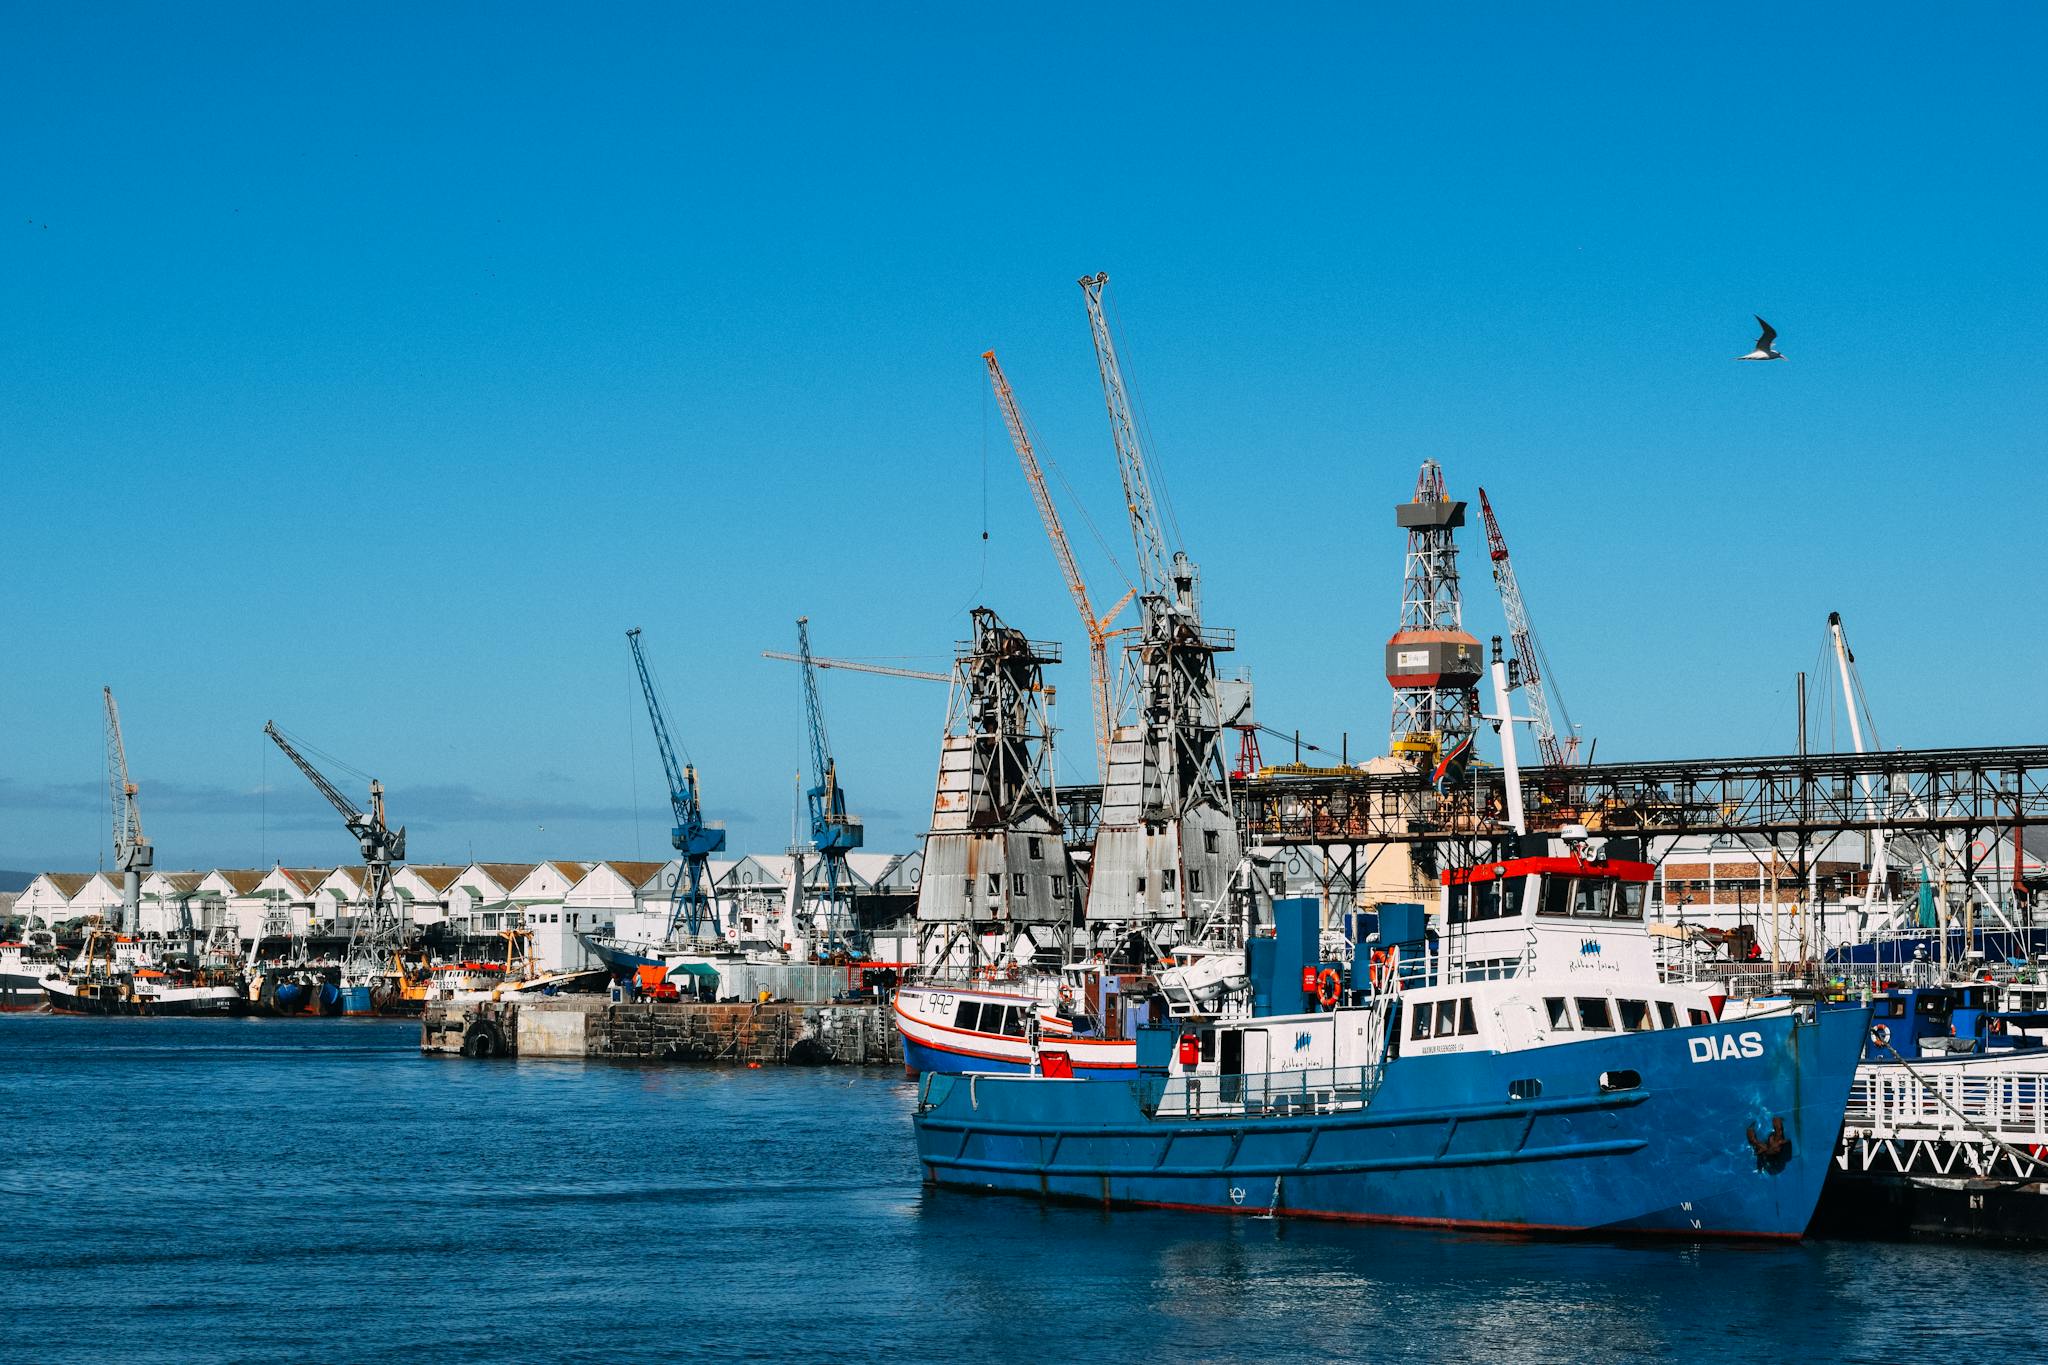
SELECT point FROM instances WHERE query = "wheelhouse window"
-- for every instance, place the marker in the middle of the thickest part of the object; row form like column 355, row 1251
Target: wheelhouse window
column 968, row 1015
column 1468, row 1023
column 1418, row 1028
column 1667, row 1014
column 1594, row 1014
column 1013, row 1021
column 1560, row 1012
column 1628, row 899
column 1699, row 1017
column 1454, row 902
column 1446, row 1018
column 1485, row 898
column 1635, row 1016
column 1557, row 897
column 1591, row 897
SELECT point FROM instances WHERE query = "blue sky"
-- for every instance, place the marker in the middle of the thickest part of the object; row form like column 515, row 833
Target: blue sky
column 374, row 368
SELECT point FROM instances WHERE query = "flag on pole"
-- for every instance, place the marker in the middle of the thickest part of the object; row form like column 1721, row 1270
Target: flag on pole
column 1450, row 769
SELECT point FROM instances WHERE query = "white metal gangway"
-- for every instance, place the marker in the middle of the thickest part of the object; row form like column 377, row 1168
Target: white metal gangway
column 1948, row 1120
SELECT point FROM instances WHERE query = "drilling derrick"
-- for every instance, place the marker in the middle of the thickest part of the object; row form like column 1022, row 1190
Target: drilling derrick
column 997, row 886
column 1432, row 664
column 1167, row 843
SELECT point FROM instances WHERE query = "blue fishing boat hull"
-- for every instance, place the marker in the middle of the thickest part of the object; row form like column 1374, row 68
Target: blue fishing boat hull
column 1441, row 1141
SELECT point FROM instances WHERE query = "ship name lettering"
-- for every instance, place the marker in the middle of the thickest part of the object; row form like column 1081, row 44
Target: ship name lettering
column 1727, row 1047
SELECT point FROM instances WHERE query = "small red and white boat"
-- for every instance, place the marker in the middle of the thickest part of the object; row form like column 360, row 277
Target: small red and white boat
column 951, row 1028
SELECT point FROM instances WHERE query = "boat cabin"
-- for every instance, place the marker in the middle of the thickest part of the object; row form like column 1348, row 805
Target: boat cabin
column 1527, row 952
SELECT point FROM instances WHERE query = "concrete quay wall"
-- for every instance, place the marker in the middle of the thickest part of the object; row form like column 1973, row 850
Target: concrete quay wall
column 594, row 1027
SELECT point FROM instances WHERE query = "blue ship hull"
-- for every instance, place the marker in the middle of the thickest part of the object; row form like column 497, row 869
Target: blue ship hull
column 1439, row 1141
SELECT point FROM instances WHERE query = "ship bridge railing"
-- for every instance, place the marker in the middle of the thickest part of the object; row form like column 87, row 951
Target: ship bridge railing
column 1933, row 1103
column 1301, row 1091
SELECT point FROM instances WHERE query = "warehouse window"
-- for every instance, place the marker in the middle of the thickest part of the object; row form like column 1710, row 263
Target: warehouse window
column 1017, row 884
column 1034, row 847
column 1194, row 881
column 1210, row 841
column 995, row 883
column 1166, row 880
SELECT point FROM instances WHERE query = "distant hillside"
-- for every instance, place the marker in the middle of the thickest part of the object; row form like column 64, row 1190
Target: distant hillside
column 16, row 881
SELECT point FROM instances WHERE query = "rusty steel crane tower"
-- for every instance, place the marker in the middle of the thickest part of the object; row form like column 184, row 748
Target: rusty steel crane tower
column 1167, row 843
column 1433, row 665
column 998, row 887
column 1101, row 696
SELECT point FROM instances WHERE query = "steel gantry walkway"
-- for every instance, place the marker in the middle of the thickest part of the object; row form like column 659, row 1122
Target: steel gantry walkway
column 1926, row 791
column 1929, row 791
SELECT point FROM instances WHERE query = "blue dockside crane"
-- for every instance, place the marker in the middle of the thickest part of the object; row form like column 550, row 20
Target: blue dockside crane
column 689, row 906
column 834, row 833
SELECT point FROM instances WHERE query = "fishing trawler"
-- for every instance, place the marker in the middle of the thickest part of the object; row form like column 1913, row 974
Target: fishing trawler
column 1522, row 1069
column 1519, row 1065
column 23, row 966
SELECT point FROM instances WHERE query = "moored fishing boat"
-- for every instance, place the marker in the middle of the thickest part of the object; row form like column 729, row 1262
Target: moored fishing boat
column 984, row 1028
column 23, row 967
column 1525, row 1069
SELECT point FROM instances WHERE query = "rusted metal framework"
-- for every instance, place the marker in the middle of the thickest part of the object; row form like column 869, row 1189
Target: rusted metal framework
column 1932, row 791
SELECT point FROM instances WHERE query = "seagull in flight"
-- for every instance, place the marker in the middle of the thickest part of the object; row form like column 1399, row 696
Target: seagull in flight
column 1763, row 349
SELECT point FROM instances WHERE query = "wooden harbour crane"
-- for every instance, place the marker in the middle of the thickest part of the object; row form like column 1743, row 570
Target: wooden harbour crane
column 696, row 841
column 834, row 833
column 376, row 936
column 1557, row 750
column 1096, row 627
column 132, row 851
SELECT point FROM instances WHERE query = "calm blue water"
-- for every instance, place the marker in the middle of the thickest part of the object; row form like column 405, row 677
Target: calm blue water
column 287, row 1190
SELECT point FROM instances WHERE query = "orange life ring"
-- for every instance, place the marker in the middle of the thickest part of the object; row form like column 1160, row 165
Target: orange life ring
column 1066, row 995
column 1329, row 987
column 1881, row 1035
column 1998, row 1025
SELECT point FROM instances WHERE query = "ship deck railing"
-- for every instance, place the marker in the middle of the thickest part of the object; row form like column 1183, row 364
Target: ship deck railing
column 1301, row 1092
column 1926, row 1104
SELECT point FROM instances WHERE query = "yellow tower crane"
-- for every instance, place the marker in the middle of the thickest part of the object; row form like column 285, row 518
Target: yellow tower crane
column 1097, row 627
